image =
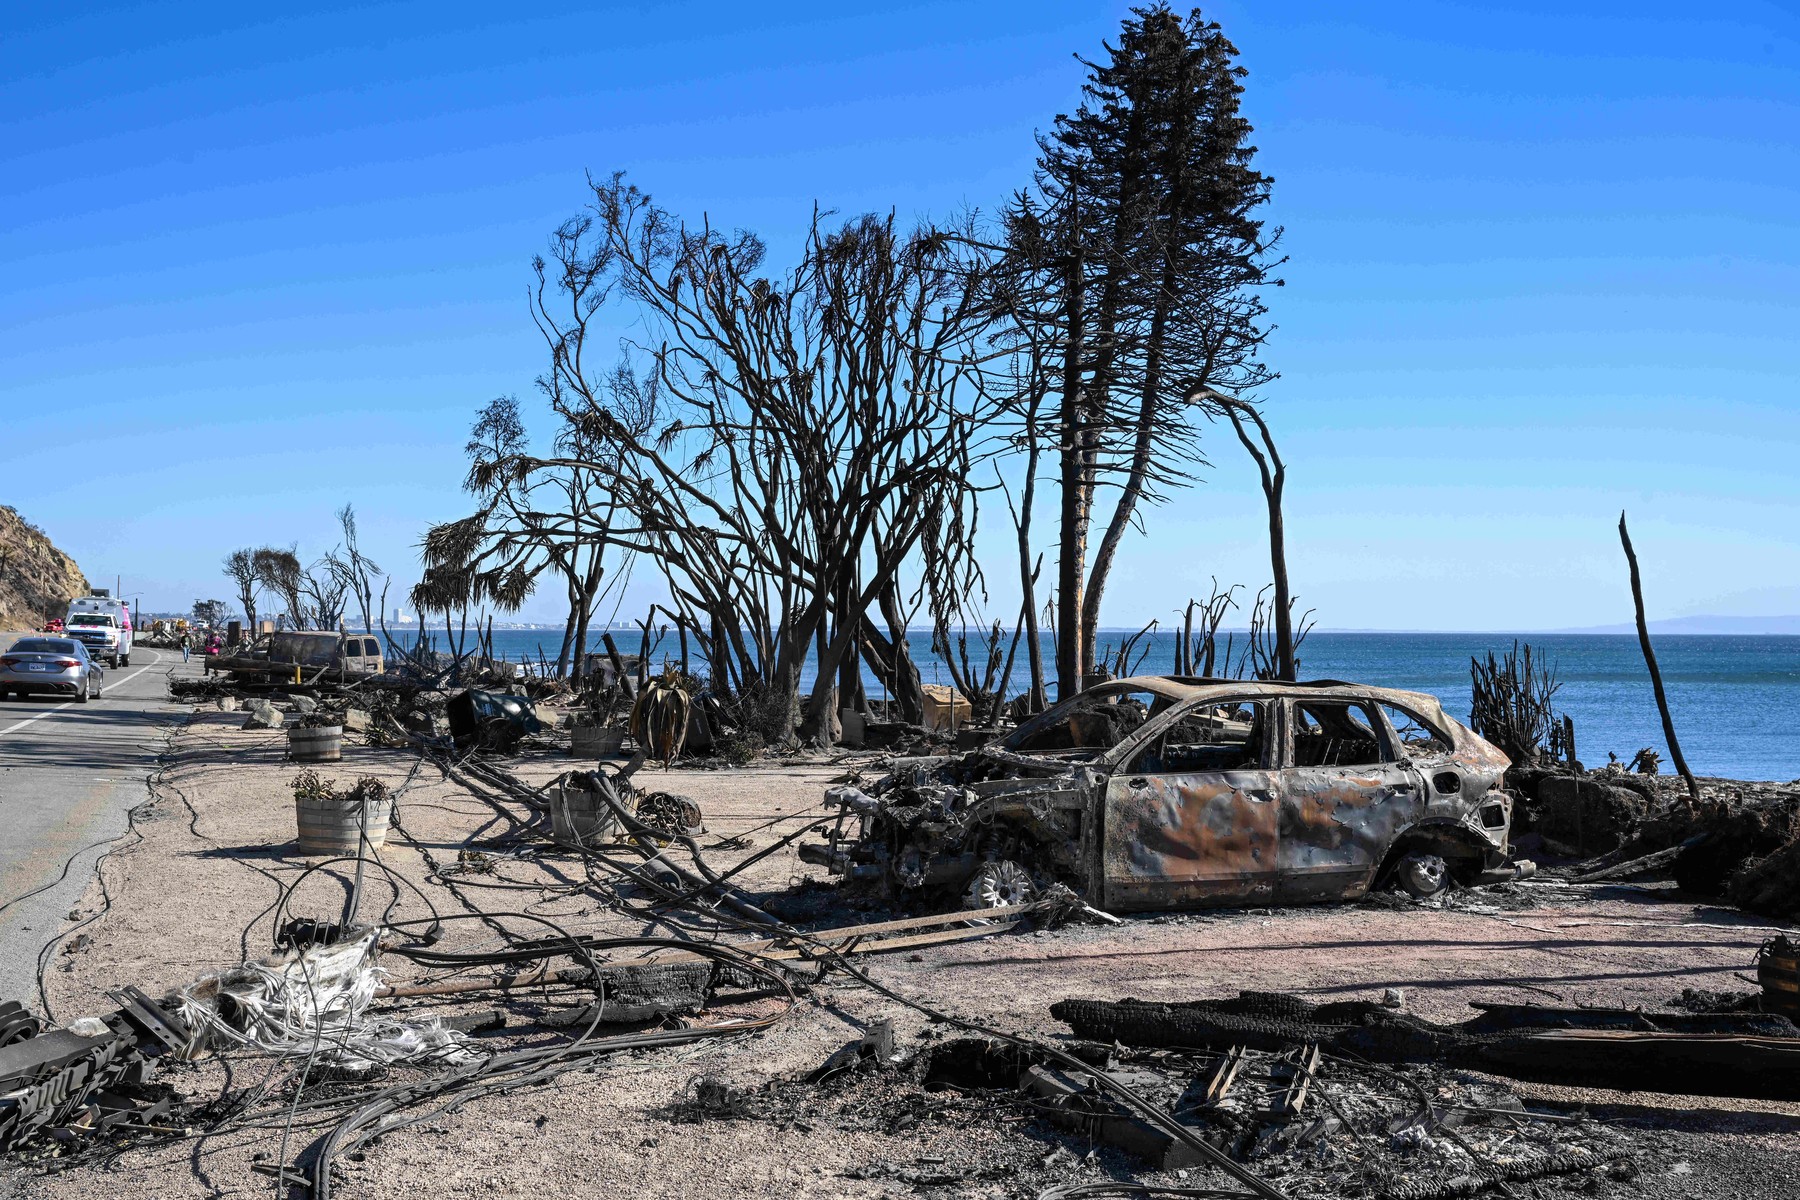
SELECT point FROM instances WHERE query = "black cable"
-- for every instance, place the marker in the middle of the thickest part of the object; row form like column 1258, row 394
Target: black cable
column 394, row 880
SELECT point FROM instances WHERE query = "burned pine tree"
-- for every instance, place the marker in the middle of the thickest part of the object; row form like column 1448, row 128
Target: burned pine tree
column 1138, row 255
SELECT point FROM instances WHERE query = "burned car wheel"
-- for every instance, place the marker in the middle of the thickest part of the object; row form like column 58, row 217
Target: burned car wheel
column 1422, row 875
column 997, row 884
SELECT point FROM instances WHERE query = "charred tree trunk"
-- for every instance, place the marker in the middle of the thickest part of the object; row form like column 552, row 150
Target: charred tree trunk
column 1656, row 683
column 892, row 659
column 1028, row 569
column 1071, row 653
column 1274, row 480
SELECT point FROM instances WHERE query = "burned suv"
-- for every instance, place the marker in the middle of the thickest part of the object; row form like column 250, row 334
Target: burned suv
column 1170, row 792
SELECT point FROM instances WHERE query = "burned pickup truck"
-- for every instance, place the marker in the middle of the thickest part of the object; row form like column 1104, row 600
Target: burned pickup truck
column 1170, row 792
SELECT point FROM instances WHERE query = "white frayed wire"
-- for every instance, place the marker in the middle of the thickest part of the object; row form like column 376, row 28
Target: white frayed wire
column 315, row 1003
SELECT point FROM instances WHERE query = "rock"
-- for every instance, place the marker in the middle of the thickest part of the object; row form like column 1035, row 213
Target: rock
column 263, row 715
column 1583, row 812
column 305, row 705
column 228, row 704
column 1393, row 998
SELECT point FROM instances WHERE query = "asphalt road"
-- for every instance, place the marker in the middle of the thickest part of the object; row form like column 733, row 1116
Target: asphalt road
column 69, row 775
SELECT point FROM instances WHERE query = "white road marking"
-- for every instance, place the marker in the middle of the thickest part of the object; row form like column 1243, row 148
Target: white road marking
column 72, row 703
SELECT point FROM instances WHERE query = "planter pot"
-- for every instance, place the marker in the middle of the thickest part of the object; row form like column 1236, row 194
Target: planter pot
column 595, row 741
column 312, row 745
column 337, row 827
column 581, row 818
column 1778, row 970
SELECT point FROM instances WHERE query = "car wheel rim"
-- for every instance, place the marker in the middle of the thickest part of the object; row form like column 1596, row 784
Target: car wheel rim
column 999, row 884
column 1424, row 874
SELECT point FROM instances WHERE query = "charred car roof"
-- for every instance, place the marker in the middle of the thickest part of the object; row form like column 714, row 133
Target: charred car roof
column 1179, row 689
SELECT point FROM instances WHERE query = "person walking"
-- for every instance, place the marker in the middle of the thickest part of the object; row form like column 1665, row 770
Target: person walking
column 186, row 645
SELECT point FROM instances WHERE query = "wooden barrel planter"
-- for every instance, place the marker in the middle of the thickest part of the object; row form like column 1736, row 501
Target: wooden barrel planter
column 580, row 816
column 320, row 744
column 338, row 826
column 1778, row 970
column 595, row 741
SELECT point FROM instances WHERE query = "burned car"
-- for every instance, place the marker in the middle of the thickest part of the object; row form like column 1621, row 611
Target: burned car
column 1170, row 792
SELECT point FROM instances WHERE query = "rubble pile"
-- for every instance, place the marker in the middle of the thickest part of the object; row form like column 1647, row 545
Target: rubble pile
column 1305, row 1123
column 1740, row 843
column 1732, row 1053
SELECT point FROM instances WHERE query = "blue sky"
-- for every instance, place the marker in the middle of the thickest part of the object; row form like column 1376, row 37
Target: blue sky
column 1545, row 266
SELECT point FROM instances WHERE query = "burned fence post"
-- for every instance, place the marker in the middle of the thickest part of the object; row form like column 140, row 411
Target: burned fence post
column 1656, row 683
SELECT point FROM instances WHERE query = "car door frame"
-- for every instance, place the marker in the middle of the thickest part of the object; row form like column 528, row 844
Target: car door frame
column 1337, row 823
column 1191, row 838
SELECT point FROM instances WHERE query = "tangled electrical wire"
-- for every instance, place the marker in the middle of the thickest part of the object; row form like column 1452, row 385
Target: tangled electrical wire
column 339, row 994
column 315, row 1009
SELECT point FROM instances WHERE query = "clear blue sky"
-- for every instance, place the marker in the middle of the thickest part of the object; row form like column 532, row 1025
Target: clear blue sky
column 1545, row 266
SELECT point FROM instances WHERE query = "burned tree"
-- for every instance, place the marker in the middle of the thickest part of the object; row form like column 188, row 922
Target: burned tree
column 240, row 568
column 1272, row 473
column 530, row 520
column 813, row 426
column 1198, row 653
column 280, row 572
column 353, row 570
column 1656, row 683
column 1139, row 255
column 210, row 612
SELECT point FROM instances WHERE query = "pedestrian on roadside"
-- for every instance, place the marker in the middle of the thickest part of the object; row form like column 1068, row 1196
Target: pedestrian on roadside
column 186, row 644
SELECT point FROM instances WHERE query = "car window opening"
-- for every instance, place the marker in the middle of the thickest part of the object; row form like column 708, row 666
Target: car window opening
column 1217, row 737
column 1335, row 733
column 1416, row 736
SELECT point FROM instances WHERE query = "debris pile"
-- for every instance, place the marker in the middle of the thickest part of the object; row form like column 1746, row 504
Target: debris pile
column 1740, row 844
column 1730, row 1054
column 1300, row 1122
column 92, row 1079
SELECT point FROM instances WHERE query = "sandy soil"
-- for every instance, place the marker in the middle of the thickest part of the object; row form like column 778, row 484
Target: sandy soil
column 194, row 895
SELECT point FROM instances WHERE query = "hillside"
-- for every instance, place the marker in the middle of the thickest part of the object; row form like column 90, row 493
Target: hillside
column 37, row 580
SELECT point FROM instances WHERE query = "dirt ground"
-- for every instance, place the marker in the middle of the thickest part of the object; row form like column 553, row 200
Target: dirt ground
column 194, row 896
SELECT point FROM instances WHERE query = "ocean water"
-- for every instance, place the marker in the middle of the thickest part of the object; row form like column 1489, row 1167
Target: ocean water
column 1735, row 699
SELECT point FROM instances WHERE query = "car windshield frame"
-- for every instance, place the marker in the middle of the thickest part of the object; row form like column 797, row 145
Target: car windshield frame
column 1062, row 708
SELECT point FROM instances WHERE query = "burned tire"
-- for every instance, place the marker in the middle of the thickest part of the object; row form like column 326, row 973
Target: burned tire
column 999, row 883
column 1422, row 876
